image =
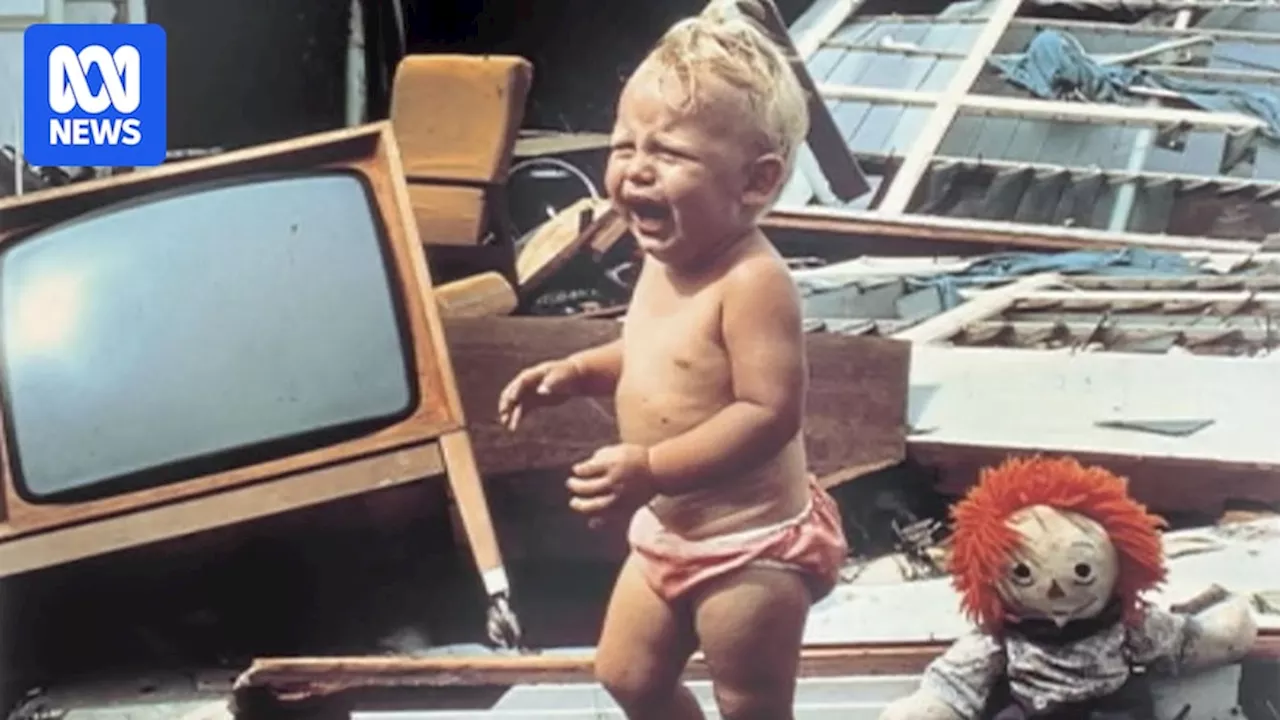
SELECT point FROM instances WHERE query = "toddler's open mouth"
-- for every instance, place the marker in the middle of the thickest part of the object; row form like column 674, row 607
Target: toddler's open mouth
column 650, row 216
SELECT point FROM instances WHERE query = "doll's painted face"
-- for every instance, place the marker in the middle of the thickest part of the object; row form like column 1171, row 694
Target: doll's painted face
column 1065, row 569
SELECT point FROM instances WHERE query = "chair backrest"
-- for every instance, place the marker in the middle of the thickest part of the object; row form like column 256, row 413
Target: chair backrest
column 456, row 118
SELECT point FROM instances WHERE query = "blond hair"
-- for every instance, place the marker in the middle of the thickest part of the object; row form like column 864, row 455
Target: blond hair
column 722, row 45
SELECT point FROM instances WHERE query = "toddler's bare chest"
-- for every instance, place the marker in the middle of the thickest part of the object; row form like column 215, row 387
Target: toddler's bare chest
column 679, row 346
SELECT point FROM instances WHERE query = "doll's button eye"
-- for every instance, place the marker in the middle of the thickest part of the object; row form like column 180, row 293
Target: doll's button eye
column 1083, row 571
column 1021, row 573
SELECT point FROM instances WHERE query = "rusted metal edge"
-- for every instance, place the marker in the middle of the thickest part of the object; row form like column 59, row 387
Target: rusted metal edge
column 309, row 677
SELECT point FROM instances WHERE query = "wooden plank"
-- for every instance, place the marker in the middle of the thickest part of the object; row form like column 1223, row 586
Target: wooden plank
column 979, row 306
column 859, row 225
column 857, row 389
column 350, row 672
column 537, row 143
column 1006, row 106
column 1263, row 282
column 1230, row 75
column 1191, row 488
column 1083, row 297
column 473, row 508
column 556, row 241
column 914, row 165
column 301, row 679
column 1025, row 333
column 1108, row 113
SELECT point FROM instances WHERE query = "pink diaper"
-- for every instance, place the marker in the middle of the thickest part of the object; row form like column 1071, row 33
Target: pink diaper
column 812, row 543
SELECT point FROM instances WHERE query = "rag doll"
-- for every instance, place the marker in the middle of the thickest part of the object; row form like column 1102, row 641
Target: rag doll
column 1051, row 559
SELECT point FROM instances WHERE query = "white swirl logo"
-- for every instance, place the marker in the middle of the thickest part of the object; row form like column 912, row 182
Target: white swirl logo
column 69, row 87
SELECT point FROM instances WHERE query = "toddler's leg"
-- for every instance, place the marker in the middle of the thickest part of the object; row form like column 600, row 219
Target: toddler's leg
column 643, row 650
column 751, row 625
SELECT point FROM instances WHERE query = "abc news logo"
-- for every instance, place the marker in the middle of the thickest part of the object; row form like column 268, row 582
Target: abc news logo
column 69, row 89
column 94, row 95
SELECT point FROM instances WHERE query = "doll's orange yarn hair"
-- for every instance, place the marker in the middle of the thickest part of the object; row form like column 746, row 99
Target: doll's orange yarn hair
column 983, row 543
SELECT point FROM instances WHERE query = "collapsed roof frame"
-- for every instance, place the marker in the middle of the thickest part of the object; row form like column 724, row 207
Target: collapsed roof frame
column 960, row 97
column 1199, row 312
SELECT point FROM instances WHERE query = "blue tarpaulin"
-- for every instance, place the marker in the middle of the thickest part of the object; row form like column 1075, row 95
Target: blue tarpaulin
column 1003, row 266
column 1056, row 66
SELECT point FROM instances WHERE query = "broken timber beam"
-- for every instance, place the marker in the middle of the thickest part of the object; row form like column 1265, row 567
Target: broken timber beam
column 335, row 687
column 834, row 155
column 589, row 222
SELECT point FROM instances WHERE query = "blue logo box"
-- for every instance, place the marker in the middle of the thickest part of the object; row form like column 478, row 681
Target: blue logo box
column 94, row 95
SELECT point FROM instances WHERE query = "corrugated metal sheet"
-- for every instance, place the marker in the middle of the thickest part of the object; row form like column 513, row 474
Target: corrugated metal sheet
column 1096, row 145
column 1085, row 198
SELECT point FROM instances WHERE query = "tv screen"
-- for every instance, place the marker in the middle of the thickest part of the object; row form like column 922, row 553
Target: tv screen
column 196, row 331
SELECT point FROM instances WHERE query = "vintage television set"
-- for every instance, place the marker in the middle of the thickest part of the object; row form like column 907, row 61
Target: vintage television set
column 214, row 341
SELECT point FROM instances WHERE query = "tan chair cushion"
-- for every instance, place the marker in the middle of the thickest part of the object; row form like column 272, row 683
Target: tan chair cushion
column 456, row 118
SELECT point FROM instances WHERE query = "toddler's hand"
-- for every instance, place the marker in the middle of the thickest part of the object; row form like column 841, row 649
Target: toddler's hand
column 615, row 478
column 544, row 384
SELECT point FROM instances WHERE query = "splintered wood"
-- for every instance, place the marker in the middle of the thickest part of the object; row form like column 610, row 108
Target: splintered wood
column 587, row 224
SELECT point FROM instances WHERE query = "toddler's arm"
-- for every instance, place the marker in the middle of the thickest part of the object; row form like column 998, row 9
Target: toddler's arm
column 597, row 369
column 590, row 372
column 764, row 336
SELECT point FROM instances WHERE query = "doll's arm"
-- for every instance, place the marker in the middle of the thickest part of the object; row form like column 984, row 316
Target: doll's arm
column 955, row 686
column 1173, row 642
